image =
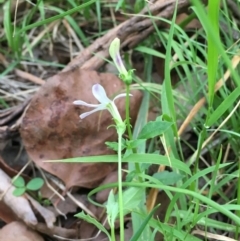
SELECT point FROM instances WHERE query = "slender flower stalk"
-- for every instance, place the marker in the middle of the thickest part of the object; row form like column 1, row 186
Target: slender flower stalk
column 107, row 104
column 126, row 76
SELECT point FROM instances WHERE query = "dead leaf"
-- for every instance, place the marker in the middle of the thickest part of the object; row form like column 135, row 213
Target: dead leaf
column 102, row 196
column 6, row 214
column 51, row 128
column 55, row 230
column 48, row 215
column 18, row 231
column 19, row 205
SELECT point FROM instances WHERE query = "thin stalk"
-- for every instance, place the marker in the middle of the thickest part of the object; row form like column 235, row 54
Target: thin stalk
column 120, row 193
column 137, row 166
column 113, row 233
column 127, row 112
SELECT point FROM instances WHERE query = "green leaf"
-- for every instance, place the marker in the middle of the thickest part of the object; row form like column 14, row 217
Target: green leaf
column 223, row 107
column 133, row 158
column 18, row 181
column 143, row 225
column 134, row 143
column 150, row 51
column 114, row 145
column 35, row 184
column 131, row 198
column 168, row 178
column 153, row 129
column 112, row 209
column 19, row 191
column 56, row 17
column 93, row 221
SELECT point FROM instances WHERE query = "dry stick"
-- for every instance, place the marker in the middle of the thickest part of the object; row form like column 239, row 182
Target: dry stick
column 69, row 39
column 73, row 34
column 15, row 18
column 29, row 76
column 81, row 205
column 212, row 236
column 21, row 73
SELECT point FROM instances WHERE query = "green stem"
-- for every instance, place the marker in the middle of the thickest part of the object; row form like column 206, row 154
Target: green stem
column 137, row 166
column 120, row 192
column 113, row 234
column 127, row 112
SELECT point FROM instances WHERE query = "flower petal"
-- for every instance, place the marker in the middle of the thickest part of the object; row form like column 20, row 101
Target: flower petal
column 114, row 48
column 80, row 102
column 85, row 114
column 121, row 95
column 100, row 94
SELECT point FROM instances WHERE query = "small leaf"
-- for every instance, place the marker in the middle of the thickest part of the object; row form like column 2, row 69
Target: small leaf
column 168, row 178
column 112, row 209
column 134, row 143
column 93, row 221
column 18, row 181
column 114, row 145
column 153, row 129
column 35, row 184
column 127, row 153
column 137, row 234
column 19, row 191
column 131, row 198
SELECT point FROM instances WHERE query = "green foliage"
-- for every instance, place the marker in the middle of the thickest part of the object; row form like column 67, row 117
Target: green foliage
column 35, row 184
column 137, row 235
column 168, row 178
column 153, row 129
column 21, row 187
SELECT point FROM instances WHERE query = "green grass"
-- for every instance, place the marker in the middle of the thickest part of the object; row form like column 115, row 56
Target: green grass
column 208, row 167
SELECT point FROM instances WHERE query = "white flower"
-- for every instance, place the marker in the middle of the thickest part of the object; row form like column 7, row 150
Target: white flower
column 105, row 103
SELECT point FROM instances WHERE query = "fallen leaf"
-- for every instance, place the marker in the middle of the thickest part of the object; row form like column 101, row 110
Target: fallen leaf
column 55, row 231
column 102, row 196
column 6, row 214
column 48, row 215
column 19, row 205
column 51, row 128
column 18, row 231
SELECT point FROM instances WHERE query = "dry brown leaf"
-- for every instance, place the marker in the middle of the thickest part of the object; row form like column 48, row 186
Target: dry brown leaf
column 102, row 196
column 48, row 215
column 18, row 231
column 6, row 214
column 51, row 128
column 55, row 230
column 19, row 205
